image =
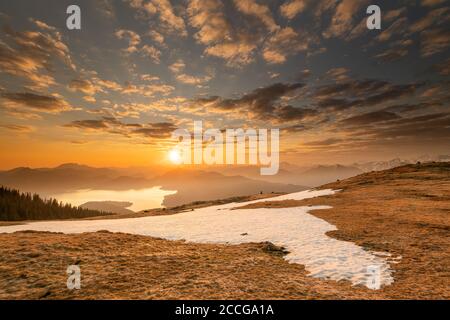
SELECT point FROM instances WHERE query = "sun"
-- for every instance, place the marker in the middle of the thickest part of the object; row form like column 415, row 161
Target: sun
column 174, row 156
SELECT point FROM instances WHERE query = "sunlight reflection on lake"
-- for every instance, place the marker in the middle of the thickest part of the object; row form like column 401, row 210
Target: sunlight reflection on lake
column 142, row 199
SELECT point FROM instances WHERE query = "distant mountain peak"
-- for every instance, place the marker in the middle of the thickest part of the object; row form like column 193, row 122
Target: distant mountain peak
column 72, row 166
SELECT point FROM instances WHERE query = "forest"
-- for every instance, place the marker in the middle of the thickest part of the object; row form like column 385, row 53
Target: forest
column 16, row 206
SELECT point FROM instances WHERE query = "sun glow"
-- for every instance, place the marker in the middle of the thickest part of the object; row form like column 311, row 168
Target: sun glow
column 174, row 156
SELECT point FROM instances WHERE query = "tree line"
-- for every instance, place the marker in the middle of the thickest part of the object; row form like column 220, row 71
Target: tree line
column 15, row 206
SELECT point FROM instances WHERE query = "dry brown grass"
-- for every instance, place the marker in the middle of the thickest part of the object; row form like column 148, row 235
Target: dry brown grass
column 123, row 266
column 403, row 211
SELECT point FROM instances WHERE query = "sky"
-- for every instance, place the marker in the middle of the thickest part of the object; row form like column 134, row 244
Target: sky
column 112, row 93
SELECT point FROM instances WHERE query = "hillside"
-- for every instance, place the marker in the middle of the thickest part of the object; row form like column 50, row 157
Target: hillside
column 67, row 178
column 205, row 186
column 291, row 174
column 117, row 207
column 16, row 206
column 403, row 211
column 324, row 174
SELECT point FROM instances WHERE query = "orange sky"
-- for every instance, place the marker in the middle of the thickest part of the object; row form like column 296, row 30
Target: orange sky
column 112, row 93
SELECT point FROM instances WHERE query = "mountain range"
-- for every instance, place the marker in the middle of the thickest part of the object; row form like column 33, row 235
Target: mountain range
column 192, row 184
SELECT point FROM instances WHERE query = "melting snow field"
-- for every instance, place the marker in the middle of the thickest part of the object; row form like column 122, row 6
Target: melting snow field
column 302, row 234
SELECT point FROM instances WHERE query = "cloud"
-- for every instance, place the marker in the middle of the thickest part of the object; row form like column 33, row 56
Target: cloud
column 394, row 14
column 134, row 110
column 132, row 37
column 34, row 102
column 432, row 127
column 107, row 84
column 30, row 54
column 431, row 3
column 443, row 68
column 338, row 74
column 17, row 128
column 434, row 41
column 392, row 54
column 292, row 8
column 149, row 77
column 169, row 21
column 237, row 53
column 323, row 143
column 177, row 66
column 78, row 142
column 359, row 93
column 285, row 42
column 168, row 17
column 342, row 21
column 88, row 124
column 266, row 103
column 151, row 52
column 358, row 30
column 260, row 11
column 406, row 108
column 106, row 8
column 399, row 26
column 89, row 99
column 111, row 125
column 434, row 17
column 237, row 44
column 236, row 47
column 147, row 90
column 207, row 16
column 273, row 75
column 42, row 25
column 189, row 79
column 396, row 28
column 371, row 117
column 304, row 74
column 134, row 40
column 156, row 36
column 96, row 85
column 161, row 130
column 85, row 86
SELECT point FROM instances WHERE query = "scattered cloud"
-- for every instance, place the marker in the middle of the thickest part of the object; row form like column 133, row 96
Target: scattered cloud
column 360, row 93
column 84, row 86
column 434, row 41
column 157, row 37
column 290, row 9
column 338, row 74
column 371, row 117
column 343, row 18
column 149, row 77
column 189, row 79
column 260, row 11
column 177, row 66
column 169, row 20
column 267, row 103
column 30, row 55
column 132, row 37
column 17, row 128
column 151, row 52
column 111, row 125
column 34, row 102
column 285, row 42
column 236, row 47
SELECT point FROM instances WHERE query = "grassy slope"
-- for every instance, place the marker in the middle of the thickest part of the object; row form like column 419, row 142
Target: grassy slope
column 404, row 211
